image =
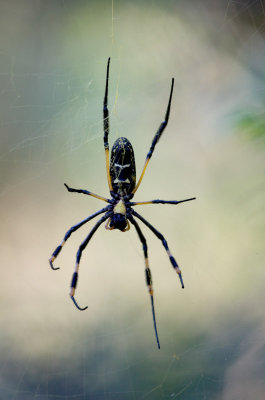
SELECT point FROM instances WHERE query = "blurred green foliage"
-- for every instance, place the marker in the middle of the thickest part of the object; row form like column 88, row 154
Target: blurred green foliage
column 252, row 126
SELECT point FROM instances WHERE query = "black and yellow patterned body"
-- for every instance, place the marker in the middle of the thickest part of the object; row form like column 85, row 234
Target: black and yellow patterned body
column 119, row 212
column 122, row 167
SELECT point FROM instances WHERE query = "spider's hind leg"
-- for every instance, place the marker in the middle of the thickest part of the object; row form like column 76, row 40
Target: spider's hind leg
column 97, row 196
column 133, row 203
column 156, row 137
column 106, row 127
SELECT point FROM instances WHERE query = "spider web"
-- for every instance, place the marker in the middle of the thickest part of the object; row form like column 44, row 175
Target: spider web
column 52, row 75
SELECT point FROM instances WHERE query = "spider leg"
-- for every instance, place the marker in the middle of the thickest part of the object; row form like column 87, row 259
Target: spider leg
column 160, row 202
column 148, row 276
column 78, row 257
column 106, row 126
column 70, row 231
column 164, row 242
column 88, row 193
column 156, row 137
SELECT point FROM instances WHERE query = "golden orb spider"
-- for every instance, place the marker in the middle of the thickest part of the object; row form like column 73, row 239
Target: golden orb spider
column 121, row 175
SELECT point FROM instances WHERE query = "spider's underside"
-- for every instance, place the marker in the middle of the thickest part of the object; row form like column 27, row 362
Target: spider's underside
column 119, row 213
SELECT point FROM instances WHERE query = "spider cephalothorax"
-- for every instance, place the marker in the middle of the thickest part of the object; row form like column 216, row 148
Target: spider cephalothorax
column 118, row 221
column 119, row 213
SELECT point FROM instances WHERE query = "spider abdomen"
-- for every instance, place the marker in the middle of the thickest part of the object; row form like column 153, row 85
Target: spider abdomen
column 122, row 167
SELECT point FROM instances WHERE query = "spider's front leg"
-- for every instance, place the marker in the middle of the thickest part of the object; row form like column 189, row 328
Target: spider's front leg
column 78, row 257
column 148, row 275
column 70, row 231
column 164, row 242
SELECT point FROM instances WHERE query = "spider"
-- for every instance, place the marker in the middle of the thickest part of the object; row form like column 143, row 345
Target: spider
column 118, row 214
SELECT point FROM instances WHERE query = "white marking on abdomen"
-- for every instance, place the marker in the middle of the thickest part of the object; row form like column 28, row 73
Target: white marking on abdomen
column 121, row 166
column 118, row 180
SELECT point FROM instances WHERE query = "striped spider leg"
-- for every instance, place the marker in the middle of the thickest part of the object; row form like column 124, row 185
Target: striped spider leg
column 118, row 214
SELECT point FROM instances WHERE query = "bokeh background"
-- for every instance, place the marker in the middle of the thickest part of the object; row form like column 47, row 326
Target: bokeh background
column 53, row 57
